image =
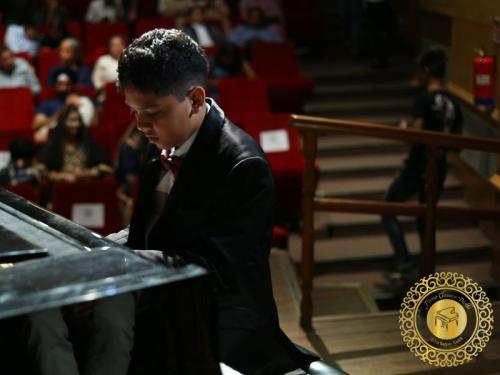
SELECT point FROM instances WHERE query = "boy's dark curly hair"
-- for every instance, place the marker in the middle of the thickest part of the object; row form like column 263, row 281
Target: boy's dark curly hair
column 163, row 62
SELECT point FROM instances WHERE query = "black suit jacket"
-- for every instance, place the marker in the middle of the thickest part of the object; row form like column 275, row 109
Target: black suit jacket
column 219, row 215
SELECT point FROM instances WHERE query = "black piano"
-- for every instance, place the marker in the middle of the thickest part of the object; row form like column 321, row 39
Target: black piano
column 47, row 261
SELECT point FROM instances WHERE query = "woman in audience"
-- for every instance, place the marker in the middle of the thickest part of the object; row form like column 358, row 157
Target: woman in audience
column 70, row 153
column 106, row 65
column 70, row 55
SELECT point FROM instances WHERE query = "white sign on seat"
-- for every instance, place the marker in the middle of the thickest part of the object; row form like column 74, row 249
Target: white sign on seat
column 274, row 140
column 88, row 214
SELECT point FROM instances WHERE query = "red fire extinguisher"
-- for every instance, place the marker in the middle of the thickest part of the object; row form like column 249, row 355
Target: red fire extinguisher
column 484, row 79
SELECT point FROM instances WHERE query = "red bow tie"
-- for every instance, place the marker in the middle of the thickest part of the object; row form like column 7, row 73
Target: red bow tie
column 170, row 162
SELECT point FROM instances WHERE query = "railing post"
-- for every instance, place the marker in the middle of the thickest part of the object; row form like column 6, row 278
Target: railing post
column 308, row 193
column 428, row 261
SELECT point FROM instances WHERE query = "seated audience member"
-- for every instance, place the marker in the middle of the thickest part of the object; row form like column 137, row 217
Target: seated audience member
column 70, row 55
column 71, row 154
column 22, row 38
column 48, row 110
column 106, row 65
column 218, row 10
column 104, row 10
column 53, row 35
column 22, row 167
column 255, row 27
column 129, row 161
column 271, row 8
column 52, row 20
column 228, row 61
column 204, row 34
column 16, row 72
column 176, row 9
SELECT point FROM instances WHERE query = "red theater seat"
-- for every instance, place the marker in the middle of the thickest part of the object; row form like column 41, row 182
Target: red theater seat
column 96, row 36
column 277, row 64
column 16, row 114
column 240, row 97
column 25, row 190
column 115, row 116
column 47, row 58
column 286, row 160
column 93, row 204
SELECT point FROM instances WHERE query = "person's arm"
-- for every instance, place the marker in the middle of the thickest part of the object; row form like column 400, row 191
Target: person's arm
column 31, row 79
column 248, row 70
column 97, row 79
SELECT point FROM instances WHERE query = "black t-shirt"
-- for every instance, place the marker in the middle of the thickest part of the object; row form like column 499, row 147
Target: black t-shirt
column 440, row 112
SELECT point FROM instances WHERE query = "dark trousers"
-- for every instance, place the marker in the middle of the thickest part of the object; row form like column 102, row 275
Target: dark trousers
column 408, row 183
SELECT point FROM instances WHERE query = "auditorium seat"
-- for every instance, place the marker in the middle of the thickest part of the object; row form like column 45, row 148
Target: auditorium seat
column 240, row 97
column 25, row 190
column 47, row 58
column 16, row 114
column 150, row 23
column 280, row 141
column 277, row 64
column 96, row 36
column 75, row 29
column 115, row 116
column 93, row 204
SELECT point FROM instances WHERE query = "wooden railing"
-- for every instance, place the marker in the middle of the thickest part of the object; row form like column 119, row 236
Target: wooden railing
column 310, row 126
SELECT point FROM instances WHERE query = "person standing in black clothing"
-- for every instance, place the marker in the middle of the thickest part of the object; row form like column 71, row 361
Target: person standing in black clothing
column 433, row 109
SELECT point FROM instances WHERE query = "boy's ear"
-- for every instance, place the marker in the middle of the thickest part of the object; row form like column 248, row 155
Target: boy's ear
column 197, row 97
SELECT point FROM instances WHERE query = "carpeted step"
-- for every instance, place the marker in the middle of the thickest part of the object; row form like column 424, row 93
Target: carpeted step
column 364, row 247
column 354, row 107
column 362, row 90
column 367, row 186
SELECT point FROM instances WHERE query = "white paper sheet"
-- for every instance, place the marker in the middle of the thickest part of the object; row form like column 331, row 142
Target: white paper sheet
column 274, row 140
column 88, row 214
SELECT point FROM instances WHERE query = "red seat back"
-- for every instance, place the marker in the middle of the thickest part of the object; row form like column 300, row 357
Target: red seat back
column 274, row 59
column 96, row 35
column 16, row 114
column 25, row 190
column 114, row 109
column 47, row 58
column 242, row 96
column 93, row 204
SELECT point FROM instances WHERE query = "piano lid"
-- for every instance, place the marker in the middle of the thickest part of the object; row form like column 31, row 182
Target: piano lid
column 80, row 265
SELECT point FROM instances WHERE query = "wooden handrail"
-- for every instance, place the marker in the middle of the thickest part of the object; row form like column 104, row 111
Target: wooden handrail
column 407, row 135
column 310, row 126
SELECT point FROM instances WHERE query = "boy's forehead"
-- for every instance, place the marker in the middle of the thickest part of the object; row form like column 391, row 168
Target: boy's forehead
column 146, row 100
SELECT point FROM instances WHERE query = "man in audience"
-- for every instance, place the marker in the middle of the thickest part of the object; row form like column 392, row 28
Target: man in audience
column 16, row 72
column 71, row 59
column 204, row 34
column 48, row 110
column 254, row 28
column 434, row 109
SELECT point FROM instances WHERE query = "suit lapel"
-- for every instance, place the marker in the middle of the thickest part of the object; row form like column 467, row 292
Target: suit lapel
column 197, row 159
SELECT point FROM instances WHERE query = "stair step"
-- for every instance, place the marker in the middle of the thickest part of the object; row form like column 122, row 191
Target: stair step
column 370, row 105
column 340, row 219
column 366, row 186
column 377, row 246
column 363, row 90
column 333, row 143
column 349, row 163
